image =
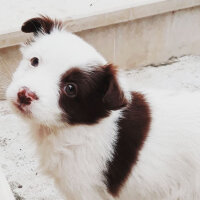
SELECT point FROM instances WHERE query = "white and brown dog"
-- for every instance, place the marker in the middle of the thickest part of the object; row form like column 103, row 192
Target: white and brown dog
column 95, row 137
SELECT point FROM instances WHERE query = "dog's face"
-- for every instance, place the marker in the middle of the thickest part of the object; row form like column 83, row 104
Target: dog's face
column 62, row 79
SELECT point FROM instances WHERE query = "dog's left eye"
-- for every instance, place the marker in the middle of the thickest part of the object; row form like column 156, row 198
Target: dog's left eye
column 34, row 61
column 71, row 89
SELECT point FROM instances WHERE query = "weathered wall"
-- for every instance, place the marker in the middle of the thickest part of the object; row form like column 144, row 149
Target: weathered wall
column 9, row 59
column 151, row 40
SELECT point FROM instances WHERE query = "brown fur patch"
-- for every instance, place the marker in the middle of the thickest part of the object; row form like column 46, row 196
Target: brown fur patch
column 98, row 94
column 133, row 129
column 41, row 24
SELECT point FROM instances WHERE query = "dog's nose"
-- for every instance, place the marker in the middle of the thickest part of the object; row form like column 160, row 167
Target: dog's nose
column 26, row 96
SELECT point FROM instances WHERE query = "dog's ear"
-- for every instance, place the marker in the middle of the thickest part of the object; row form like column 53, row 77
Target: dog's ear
column 114, row 96
column 40, row 24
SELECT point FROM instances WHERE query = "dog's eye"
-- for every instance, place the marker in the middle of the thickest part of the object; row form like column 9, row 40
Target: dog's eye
column 70, row 89
column 34, row 61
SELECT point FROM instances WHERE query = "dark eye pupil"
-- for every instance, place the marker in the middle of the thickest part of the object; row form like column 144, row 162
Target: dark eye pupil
column 70, row 90
column 34, row 61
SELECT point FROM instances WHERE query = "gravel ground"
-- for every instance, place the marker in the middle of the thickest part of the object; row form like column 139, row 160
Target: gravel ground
column 18, row 160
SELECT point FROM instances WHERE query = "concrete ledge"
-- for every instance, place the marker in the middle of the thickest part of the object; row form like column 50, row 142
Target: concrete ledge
column 149, row 40
column 100, row 18
column 133, row 12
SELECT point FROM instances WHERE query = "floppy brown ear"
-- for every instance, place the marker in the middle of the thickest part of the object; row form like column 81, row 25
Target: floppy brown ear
column 40, row 24
column 114, row 97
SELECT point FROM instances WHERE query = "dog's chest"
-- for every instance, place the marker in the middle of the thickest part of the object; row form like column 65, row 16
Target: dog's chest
column 75, row 163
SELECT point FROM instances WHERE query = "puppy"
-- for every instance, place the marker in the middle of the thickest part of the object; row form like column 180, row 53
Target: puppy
column 98, row 139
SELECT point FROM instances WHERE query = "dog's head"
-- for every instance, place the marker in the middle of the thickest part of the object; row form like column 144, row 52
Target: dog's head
column 61, row 78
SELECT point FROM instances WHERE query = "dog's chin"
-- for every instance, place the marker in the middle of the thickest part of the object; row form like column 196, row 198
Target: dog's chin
column 20, row 110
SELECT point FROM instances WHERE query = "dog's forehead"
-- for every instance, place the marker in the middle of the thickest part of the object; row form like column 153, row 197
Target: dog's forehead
column 61, row 47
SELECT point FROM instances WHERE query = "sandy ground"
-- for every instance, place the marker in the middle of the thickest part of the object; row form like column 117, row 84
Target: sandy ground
column 18, row 160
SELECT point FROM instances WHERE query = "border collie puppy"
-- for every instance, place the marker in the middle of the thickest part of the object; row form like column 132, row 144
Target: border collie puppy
column 98, row 139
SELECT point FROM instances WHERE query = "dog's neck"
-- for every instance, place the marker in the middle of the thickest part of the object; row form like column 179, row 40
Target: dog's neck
column 76, row 135
column 82, row 147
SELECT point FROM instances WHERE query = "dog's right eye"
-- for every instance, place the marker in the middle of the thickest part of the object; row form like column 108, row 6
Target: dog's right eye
column 71, row 89
column 34, row 61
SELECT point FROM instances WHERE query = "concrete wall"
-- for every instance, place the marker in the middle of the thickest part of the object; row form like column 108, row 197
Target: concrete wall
column 135, row 43
column 9, row 59
column 150, row 40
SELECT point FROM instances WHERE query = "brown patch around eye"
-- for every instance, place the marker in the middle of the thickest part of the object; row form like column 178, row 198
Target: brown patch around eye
column 86, row 106
column 89, row 104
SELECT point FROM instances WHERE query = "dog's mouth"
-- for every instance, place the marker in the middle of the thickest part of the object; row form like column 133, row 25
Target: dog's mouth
column 22, row 108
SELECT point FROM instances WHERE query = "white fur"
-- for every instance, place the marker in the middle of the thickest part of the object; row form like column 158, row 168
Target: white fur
column 75, row 156
column 5, row 191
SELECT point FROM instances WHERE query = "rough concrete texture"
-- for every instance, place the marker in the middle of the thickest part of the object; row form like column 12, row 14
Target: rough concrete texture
column 17, row 157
